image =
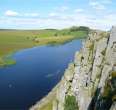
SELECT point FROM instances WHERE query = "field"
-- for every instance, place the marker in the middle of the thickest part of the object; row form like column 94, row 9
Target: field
column 13, row 40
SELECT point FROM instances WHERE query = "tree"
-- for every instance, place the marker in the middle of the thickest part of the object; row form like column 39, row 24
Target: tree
column 74, row 28
column 83, row 28
column 80, row 28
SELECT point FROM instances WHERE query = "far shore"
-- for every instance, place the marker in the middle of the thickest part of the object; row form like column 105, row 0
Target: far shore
column 14, row 40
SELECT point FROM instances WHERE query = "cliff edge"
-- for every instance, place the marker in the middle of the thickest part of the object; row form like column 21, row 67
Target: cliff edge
column 90, row 82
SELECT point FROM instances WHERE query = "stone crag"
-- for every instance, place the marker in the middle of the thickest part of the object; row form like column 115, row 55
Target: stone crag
column 91, row 79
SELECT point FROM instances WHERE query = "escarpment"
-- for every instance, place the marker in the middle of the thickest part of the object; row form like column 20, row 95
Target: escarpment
column 89, row 83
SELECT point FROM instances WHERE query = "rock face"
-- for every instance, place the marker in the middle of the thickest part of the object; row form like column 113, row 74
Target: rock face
column 91, row 79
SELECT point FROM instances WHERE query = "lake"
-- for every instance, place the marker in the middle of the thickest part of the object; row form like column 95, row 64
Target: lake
column 36, row 72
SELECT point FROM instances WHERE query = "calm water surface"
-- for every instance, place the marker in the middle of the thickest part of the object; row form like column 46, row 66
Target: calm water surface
column 36, row 72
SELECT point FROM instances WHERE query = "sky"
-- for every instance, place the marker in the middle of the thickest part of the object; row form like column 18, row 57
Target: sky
column 39, row 14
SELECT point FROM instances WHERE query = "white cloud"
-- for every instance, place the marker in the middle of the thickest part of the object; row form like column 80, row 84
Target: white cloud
column 17, row 14
column 53, row 14
column 62, row 21
column 64, row 8
column 78, row 10
column 106, row 1
column 61, row 8
column 102, row 1
column 31, row 14
column 99, row 4
column 96, row 5
column 11, row 13
column 59, row 19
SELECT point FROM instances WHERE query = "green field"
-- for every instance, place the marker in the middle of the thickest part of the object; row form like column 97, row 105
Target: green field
column 13, row 40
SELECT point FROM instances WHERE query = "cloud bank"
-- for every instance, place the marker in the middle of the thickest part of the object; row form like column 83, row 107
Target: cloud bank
column 97, row 15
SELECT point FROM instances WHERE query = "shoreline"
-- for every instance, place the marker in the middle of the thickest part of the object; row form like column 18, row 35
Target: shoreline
column 51, row 98
column 46, row 99
column 5, row 62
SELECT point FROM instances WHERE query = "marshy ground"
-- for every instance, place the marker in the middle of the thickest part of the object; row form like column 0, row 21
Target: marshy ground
column 13, row 40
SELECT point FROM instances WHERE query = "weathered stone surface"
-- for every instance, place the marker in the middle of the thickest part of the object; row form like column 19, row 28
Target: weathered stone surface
column 55, row 105
column 105, row 73
column 113, row 107
column 78, row 58
column 93, row 70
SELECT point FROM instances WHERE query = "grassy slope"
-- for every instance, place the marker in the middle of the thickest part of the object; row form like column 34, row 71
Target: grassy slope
column 48, row 106
column 13, row 40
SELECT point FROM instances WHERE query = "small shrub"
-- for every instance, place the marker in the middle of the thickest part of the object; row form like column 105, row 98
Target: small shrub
column 114, row 74
column 103, row 52
column 56, row 34
column 70, row 103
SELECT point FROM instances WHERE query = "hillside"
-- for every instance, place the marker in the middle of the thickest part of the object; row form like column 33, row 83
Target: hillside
column 89, row 83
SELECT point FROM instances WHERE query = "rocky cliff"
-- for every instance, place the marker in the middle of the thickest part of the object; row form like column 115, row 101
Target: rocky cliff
column 90, row 82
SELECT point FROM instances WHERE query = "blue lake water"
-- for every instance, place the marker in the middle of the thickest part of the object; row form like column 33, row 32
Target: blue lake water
column 36, row 72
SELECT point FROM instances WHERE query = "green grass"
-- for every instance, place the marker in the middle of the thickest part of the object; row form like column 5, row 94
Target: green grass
column 70, row 103
column 48, row 106
column 13, row 40
column 7, row 62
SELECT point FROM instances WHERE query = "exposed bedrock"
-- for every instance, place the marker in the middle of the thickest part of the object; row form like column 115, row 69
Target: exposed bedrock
column 91, row 79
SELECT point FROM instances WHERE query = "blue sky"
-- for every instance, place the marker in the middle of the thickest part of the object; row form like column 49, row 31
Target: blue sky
column 35, row 14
